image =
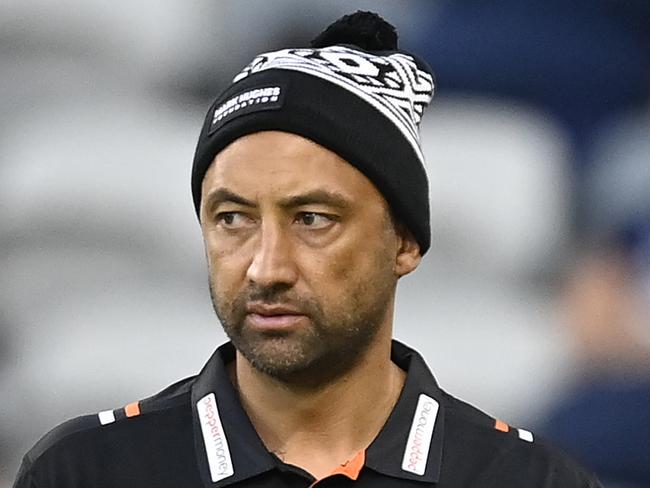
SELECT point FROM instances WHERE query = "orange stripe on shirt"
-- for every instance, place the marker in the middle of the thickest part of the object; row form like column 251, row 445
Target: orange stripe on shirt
column 132, row 409
column 501, row 425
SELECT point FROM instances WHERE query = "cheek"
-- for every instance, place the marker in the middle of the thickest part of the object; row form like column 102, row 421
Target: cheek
column 344, row 267
column 226, row 268
column 334, row 264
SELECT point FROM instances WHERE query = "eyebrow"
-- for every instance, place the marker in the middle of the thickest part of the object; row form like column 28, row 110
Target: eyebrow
column 223, row 195
column 323, row 197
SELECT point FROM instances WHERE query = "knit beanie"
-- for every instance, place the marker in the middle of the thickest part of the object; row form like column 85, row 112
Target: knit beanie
column 353, row 92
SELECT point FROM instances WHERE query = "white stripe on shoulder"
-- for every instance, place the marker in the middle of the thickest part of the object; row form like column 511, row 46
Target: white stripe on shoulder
column 106, row 417
column 525, row 435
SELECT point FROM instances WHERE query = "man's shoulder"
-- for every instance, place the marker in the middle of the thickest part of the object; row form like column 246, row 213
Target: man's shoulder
column 503, row 455
column 160, row 423
column 168, row 402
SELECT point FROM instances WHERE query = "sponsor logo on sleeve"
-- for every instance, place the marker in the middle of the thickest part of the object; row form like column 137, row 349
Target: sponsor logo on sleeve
column 419, row 440
column 216, row 445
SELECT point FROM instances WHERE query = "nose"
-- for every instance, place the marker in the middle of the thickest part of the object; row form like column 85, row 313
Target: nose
column 273, row 259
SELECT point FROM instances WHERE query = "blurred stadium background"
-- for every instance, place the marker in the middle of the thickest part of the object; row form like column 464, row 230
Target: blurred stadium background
column 533, row 302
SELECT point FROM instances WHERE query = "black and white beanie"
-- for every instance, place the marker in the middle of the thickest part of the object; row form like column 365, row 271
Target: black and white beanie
column 352, row 92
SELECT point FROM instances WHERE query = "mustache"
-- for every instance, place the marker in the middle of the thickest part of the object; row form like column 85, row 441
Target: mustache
column 274, row 294
column 270, row 295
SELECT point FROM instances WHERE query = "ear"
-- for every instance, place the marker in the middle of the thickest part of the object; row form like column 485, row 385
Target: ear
column 408, row 252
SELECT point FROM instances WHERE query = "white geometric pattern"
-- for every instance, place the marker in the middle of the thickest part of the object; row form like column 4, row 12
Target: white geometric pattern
column 393, row 84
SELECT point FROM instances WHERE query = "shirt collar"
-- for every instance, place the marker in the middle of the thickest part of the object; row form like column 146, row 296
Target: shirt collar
column 417, row 419
column 229, row 449
column 234, row 446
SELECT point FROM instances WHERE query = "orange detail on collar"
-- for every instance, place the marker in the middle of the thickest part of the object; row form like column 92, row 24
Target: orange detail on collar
column 352, row 467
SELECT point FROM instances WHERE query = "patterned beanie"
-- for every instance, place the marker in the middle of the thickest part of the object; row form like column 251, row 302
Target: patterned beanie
column 352, row 92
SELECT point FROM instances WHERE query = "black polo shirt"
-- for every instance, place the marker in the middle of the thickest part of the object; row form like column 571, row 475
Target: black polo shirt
column 196, row 434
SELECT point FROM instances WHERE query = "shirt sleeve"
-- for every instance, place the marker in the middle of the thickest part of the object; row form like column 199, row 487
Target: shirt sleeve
column 24, row 479
column 540, row 467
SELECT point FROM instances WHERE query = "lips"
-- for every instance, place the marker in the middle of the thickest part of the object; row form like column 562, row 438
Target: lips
column 273, row 317
column 271, row 310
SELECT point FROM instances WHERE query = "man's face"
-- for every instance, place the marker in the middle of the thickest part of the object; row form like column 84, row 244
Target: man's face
column 301, row 253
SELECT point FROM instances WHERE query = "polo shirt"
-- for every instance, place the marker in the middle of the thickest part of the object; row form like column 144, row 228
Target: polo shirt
column 195, row 433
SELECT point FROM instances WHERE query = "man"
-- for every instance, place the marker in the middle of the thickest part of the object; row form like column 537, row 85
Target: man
column 309, row 184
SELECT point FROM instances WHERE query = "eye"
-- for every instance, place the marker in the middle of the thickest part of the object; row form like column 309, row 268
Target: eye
column 315, row 220
column 232, row 220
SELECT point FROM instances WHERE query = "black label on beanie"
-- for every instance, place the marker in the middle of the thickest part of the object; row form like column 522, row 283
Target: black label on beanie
column 268, row 97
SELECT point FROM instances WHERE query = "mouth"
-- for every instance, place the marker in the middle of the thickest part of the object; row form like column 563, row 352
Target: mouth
column 263, row 317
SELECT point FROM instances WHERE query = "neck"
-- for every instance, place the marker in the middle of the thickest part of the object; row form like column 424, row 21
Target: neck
column 319, row 428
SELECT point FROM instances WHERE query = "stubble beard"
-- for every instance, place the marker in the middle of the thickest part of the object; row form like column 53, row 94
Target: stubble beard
column 332, row 343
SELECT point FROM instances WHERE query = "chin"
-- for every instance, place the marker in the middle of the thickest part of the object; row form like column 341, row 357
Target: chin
column 296, row 363
column 279, row 356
